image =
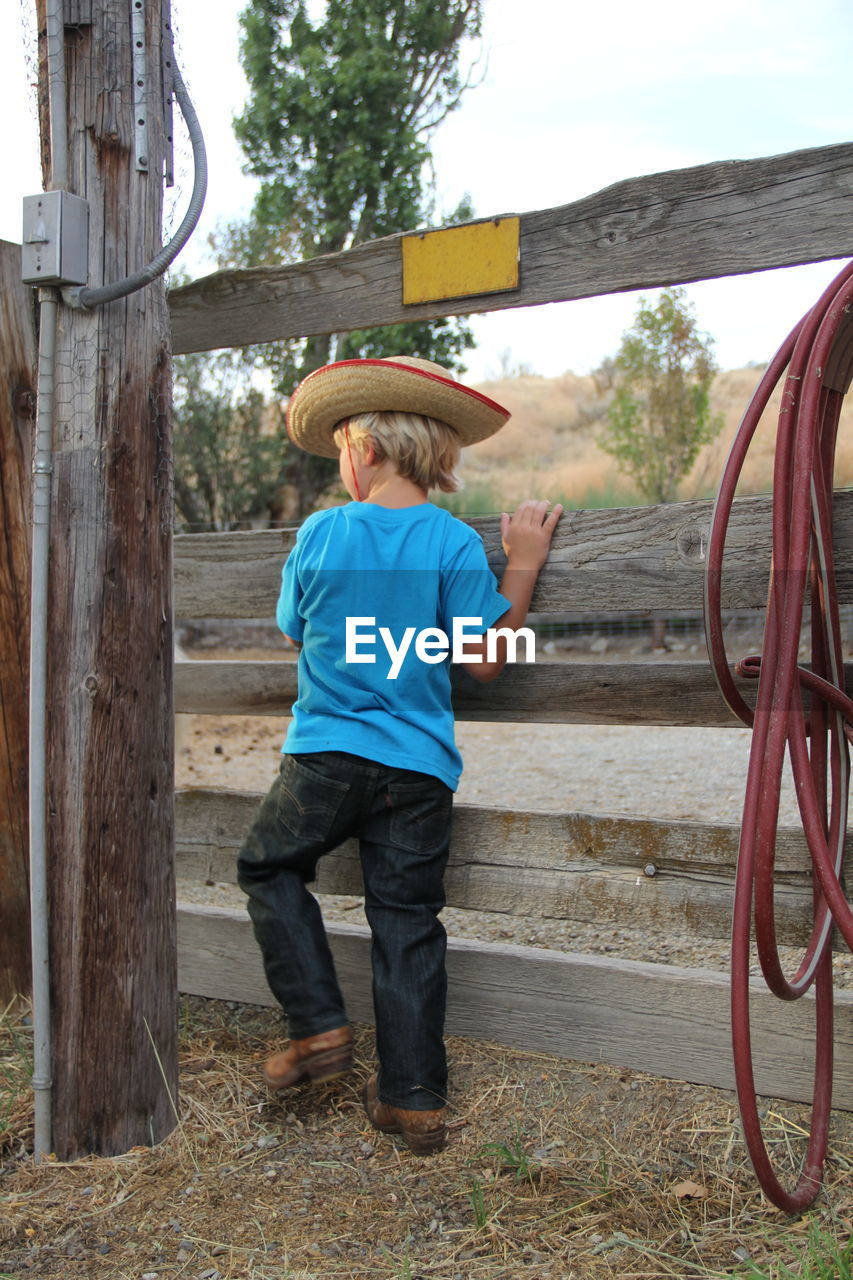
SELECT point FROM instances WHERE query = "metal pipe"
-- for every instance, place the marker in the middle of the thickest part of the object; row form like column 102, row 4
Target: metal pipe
column 42, row 469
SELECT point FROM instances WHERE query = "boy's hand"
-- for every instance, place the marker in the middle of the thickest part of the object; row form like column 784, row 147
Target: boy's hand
column 526, row 537
column 526, row 534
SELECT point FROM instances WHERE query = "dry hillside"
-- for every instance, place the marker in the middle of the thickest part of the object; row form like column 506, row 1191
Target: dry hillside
column 549, row 446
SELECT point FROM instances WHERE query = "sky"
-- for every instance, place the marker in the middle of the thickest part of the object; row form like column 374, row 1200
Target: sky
column 569, row 99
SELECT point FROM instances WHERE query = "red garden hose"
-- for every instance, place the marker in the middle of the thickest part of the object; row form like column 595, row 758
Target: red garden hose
column 819, row 357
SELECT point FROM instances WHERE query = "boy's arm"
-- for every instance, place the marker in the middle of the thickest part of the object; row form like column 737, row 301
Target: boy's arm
column 526, row 537
column 287, row 607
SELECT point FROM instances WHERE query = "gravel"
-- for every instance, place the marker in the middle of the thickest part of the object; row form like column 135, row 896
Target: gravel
column 627, row 770
column 668, row 773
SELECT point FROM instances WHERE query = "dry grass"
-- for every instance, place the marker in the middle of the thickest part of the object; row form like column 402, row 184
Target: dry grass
column 549, row 447
column 553, row 1169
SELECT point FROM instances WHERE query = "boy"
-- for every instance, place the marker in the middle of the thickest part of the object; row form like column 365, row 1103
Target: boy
column 371, row 593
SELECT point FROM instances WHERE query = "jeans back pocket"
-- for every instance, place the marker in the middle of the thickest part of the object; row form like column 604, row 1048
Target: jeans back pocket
column 309, row 800
column 420, row 816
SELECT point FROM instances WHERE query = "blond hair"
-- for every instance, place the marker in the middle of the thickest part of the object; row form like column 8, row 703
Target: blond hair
column 421, row 449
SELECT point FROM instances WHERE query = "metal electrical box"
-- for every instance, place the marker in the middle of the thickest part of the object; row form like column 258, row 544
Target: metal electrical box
column 56, row 239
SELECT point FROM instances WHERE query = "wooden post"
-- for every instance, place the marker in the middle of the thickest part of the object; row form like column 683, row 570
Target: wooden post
column 17, row 403
column 110, row 758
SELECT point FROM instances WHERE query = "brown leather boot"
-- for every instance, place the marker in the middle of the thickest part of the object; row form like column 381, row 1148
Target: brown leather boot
column 424, row 1132
column 316, row 1058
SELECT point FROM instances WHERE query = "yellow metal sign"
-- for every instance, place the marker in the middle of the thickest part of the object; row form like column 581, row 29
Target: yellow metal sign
column 458, row 261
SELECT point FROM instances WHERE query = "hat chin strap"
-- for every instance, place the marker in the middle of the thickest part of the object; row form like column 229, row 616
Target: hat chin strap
column 358, row 496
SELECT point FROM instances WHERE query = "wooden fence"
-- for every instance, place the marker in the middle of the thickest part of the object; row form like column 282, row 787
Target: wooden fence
column 572, row 866
column 716, row 220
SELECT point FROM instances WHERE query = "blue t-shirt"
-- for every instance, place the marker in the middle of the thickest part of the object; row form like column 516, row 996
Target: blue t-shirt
column 363, row 582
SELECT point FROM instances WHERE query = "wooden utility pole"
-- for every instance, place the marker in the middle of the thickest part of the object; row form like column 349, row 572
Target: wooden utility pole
column 110, row 724
column 17, row 407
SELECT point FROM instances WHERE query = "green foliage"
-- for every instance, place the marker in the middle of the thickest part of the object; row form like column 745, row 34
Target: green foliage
column 601, row 497
column 340, row 111
column 227, row 443
column 511, row 1157
column 660, row 415
column 440, row 340
column 478, row 1204
column 824, row 1258
column 479, row 500
column 337, row 125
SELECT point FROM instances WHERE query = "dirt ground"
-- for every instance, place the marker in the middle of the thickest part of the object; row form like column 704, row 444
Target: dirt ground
column 554, row 1169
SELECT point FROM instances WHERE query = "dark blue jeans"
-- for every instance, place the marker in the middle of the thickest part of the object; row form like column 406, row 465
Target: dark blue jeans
column 402, row 822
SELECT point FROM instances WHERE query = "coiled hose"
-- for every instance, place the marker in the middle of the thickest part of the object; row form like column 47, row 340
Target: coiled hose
column 818, row 355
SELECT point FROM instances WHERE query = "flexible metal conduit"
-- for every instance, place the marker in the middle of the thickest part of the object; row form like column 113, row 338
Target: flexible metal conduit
column 89, row 298
column 42, row 469
column 818, row 354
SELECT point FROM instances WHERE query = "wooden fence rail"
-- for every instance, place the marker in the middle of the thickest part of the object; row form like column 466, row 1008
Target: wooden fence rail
column 551, row 866
column 567, row 866
column 649, row 1017
column 666, row 228
column 633, row 558
column 666, row 693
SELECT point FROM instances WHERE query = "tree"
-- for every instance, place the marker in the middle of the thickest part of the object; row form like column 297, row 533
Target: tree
column 340, row 113
column 227, row 443
column 337, row 126
column 660, row 414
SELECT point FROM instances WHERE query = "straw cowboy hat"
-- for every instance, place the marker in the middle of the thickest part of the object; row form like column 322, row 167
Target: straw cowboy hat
column 403, row 384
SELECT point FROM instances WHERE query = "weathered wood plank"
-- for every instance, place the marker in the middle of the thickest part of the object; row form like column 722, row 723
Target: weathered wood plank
column 664, row 693
column 666, row 228
column 110, row 753
column 210, row 824
column 632, row 558
column 17, row 408
column 669, row 1021
column 229, row 575
column 564, row 866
